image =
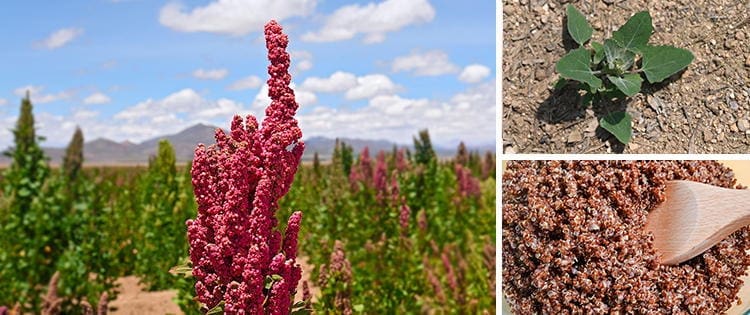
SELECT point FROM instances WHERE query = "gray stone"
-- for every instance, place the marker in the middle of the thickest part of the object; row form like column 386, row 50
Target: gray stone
column 743, row 125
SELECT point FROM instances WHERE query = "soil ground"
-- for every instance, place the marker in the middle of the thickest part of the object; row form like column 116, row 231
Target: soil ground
column 133, row 300
column 705, row 109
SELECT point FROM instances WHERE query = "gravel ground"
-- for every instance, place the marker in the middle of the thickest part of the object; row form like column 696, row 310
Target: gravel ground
column 706, row 109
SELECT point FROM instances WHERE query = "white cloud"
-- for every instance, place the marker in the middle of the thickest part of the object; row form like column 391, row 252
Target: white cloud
column 83, row 114
column 38, row 97
column 469, row 116
column 430, row 63
column 221, row 108
column 301, row 60
column 353, row 87
column 304, row 65
column 262, row 100
column 373, row 21
column 60, row 37
column 6, row 135
column 185, row 102
column 251, row 82
column 3, row 101
column 235, row 17
column 370, row 86
column 210, row 74
column 97, row 98
column 474, row 73
column 339, row 81
column 304, row 98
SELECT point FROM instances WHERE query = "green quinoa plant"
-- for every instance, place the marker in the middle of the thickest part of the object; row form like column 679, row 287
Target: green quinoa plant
column 615, row 68
column 165, row 204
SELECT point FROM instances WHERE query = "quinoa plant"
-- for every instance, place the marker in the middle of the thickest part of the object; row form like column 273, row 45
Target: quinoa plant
column 615, row 68
column 30, row 241
column 343, row 156
column 73, row 159
column 164, row 204
column 335, row 279
column 240, row 262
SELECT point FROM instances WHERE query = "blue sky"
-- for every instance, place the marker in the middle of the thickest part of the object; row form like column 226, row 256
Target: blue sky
column 136, row 69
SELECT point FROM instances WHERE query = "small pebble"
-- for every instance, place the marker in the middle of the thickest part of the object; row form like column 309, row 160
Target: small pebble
column 575, row 137
column 540, row 74
column 743, row 125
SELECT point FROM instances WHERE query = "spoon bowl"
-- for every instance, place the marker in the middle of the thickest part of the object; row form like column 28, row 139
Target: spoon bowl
column 694, row 217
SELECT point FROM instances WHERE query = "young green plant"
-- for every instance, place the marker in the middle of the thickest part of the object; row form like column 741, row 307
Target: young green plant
column 615, row 68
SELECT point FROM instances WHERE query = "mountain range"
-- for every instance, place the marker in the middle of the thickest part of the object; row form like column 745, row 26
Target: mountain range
column 108, row 152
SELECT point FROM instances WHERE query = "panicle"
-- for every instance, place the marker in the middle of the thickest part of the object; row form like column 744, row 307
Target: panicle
column 401, row 163
column 381, row 177
column 238, row 182
column 468, row 185
column 404, row 216
column 338, row 272
column 422, row 220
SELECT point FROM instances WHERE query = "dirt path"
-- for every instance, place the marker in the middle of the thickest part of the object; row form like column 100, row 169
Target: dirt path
column 132, row 299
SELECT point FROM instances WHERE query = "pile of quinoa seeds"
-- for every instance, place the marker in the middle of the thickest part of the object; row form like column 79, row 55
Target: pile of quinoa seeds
column 573, row 241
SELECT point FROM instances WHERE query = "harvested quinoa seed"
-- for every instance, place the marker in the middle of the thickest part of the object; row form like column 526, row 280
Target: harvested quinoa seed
column 573, row 241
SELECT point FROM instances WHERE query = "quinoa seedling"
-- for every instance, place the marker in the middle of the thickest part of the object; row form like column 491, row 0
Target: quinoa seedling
column 614, row 69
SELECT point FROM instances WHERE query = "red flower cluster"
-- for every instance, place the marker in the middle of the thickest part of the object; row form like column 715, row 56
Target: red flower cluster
column 468, row 185
column 234, row 246
column 362, row 171
column 381, row 177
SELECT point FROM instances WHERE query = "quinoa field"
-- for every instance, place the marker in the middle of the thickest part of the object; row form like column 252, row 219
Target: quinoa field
column 387, row 232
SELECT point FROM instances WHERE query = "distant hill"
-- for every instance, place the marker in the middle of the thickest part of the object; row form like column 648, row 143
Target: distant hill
column 107, row 152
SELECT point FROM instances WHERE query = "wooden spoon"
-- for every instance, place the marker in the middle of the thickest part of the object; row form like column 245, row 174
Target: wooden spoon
column 694, row 217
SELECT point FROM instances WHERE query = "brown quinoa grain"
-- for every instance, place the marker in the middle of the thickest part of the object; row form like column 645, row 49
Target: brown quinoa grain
column 573, row 241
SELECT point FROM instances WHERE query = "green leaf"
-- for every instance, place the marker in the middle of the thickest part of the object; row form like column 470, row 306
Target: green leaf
column 598, row 52
column 617, row 56
column 218, row 309
column 359, row 308
column 618, row 124
column 660, row 62
column 576, row 66
column 587, row 99
column 183, row 270
column 578, row 27
column 635, row 33
column 23, row 192
column 561, row 82
column 630, row 83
